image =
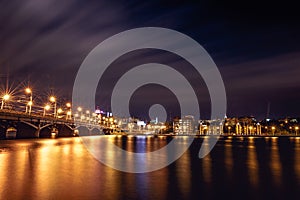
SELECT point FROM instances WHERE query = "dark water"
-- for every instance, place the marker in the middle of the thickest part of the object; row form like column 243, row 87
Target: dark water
column 237, row 168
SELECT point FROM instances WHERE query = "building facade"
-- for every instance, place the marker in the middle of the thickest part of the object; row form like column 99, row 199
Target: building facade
column 184, row 126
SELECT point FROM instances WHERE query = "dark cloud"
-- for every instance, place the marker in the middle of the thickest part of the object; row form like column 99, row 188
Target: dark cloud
column 255, row 44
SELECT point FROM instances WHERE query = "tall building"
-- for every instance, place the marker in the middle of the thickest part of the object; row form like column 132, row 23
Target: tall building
column 184, row 126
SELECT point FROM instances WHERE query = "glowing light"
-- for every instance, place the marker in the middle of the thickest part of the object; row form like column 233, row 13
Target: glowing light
column 52, row 99
column 28, row 90
column 59, row 110
column 47, row 107
column 6, row 97
column 68, row 105
column 30, row 103
column 79, row 109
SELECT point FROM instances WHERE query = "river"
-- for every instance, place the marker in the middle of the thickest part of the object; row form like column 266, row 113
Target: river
column 236, row 168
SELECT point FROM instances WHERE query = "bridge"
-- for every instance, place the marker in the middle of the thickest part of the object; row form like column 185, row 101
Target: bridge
column 21, row 125
column 22, row 116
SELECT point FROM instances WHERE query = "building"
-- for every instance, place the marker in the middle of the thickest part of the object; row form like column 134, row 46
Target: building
column 184, row 126
column 210, row 127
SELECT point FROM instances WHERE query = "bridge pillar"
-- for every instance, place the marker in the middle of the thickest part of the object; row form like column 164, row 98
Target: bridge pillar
column 37, row 132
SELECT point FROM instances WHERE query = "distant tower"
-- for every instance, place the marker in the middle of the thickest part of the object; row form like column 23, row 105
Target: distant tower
column 268, row 111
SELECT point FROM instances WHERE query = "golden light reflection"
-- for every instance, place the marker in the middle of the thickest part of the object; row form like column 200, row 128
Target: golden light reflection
column 228, row 155
column 207, row 165
column 296, row 141
column 12, row 174
column 252, row 162
column 275, row 164
column 183, row 166
column 4, row 175
column 149, row 144
column 130, row 145
column 47, row 169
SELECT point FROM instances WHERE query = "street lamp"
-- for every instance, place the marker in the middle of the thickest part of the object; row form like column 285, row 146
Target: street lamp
column 29, row 91
column 30, row 105
column 69, row 112
column 94, row 118
column 47, row 107
column 59, row 111
column 296, row 129
column 88, row 116
column 6, row 97
column 273, row 129
column 250, row 129
column 53, row 100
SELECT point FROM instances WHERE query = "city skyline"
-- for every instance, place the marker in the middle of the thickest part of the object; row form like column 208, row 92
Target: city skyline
column 161, row 99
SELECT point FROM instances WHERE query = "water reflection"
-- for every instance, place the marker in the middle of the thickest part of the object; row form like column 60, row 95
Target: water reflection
column 253, row 168
column 183, row 169
column 252, row 163
column 228, row 157
column 297, row 157
column 275, row 164
column 207, row 173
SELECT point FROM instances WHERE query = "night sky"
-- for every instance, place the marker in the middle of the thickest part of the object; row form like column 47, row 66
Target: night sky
column 255, row 45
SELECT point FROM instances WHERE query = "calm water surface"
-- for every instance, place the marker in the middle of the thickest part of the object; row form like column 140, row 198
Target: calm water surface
column 237, row 168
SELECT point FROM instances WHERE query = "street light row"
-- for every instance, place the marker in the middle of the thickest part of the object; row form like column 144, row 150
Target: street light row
column 81, row 115
column 28, row 108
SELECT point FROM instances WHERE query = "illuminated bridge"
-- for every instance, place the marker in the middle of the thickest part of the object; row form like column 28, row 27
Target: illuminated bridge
column 22, row 116
column 21, row 125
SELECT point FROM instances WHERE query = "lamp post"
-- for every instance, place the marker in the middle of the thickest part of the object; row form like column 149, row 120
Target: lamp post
column 5, row 98
column 82, row 117
column 76, row 115
column 94, row 118
column 79, row 109
column 59, row 111
column 53, row 100
column 69, row 112
column 273, row 130
column 296, row 129
column 103, row 120
column 88, row 116
column 29, row 104
column 69, row 115
column 250, row 129
column 47, row 107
